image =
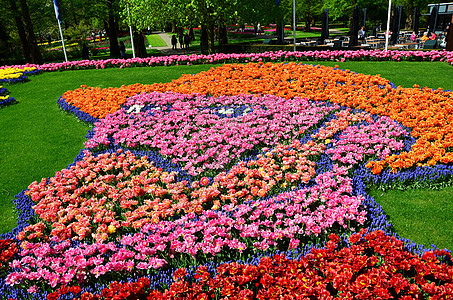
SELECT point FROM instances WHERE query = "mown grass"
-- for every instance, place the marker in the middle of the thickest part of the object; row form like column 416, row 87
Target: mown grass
column 155, row 40
column 424, row 216
column 37, row 139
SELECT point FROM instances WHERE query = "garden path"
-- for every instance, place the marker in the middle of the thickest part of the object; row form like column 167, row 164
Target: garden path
column 168, row 49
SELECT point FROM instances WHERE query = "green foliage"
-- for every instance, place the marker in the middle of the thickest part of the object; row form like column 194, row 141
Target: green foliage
column 342, row 9
column 309, row 9
column 144, row 13
column 266, row 11
column 78, row 32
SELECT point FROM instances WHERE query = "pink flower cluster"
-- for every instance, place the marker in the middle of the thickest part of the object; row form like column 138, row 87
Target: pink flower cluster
column 279, row 223
column 100, row 195
column 113, row 193
column 334, row 55
column 61, row 263
column 261, row 224
column 207, row 133
column 343, row 119
column 374, row 140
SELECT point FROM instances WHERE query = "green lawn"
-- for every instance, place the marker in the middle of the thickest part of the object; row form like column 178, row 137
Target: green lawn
column 425, row 216
column 404, row 73
column 302, row 34
column 155, row 40
column 38, row 139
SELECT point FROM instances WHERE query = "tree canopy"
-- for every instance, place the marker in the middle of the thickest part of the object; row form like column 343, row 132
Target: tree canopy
column 23, row 22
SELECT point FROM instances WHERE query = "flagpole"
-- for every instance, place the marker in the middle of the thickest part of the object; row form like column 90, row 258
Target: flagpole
column 388, row 26
column 130, row 30
column 62, row 42
column 294, row 23
column 57, row 15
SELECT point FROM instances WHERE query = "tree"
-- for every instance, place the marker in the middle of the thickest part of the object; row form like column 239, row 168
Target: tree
column 25, row 31
column 310, row 10
column 20, row 29
column 6, row 41
column 343, row 9
column 111, row 27
column 100, row 14
column 409, row 8
column 95, row 15
column 338, row 9
column 209, row 13
column 267, row 11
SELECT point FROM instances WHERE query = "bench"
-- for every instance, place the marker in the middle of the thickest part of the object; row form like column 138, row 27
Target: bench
column 430, row 44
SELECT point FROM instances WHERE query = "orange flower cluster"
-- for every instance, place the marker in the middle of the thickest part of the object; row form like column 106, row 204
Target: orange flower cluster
column 427, row 112
column 100, row 102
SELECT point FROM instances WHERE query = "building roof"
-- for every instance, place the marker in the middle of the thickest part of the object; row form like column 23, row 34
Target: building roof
column 443, row 8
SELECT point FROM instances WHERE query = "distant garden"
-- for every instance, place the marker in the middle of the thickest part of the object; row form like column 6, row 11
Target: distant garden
column 101, row 26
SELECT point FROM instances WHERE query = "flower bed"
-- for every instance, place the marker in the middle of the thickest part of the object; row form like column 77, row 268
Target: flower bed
column 187, row 125
column 279, row 56
column 5, row 99
column 271, row 207
column 427, row 113
column 16, row 74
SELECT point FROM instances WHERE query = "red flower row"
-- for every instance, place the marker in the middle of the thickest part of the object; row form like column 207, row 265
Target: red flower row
column 374, row 266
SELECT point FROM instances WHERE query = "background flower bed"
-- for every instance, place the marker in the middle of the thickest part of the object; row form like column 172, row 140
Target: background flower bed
column 270, row 56
column 16, row 74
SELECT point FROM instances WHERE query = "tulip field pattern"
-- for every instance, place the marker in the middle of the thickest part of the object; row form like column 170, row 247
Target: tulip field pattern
column 193, row 178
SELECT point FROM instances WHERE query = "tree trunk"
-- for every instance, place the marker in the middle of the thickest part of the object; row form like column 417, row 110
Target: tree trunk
column 4, row 45
column 191, row 33
column 280, row 32
column 308, row 17
column 35, row 55
column 111, row 31
column 139, row 43
column 307, row 22
column 223, row 38
column 210, row 32
column 203, row 39
column 20, row 30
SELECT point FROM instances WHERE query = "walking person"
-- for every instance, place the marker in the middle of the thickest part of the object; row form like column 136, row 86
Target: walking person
column 181, row 39
column 85, row 52
column 186, row 41
column 173, row 42
column 122, row 49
